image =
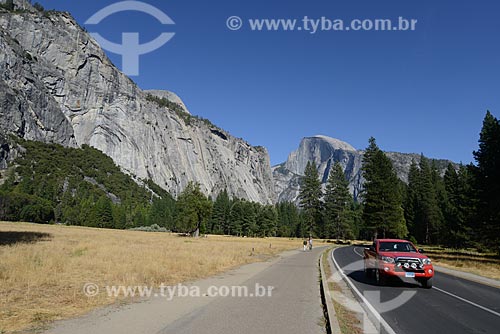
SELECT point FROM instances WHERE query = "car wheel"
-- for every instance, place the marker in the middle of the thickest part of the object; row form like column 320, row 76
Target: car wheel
column 427, row 283
column 368, row 271
column 379, row 278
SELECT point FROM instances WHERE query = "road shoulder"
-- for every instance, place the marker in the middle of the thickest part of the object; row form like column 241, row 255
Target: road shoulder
column 469, row 276
column 343, row 294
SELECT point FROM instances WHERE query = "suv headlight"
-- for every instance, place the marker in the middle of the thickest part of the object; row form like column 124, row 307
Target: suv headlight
column 426, row 261
column 388, row 259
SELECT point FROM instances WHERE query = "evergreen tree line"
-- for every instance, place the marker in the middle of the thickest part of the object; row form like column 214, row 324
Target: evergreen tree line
column 50, row 183
column 462, row 207
column 458, row 209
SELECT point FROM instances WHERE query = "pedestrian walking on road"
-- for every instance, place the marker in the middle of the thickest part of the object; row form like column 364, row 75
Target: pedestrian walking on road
column 310, row 243
column 305, row 245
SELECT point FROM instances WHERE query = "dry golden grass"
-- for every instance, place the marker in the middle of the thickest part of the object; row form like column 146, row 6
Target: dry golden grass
column 42, row 281
column 483, row 264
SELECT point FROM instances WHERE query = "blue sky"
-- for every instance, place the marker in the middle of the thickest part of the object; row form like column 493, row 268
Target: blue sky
column 414, row 91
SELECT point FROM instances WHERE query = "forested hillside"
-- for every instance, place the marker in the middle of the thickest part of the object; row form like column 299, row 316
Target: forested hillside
column 49, row 183
column 52, row 183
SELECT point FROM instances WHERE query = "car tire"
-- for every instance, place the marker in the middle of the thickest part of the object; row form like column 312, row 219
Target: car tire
column 379, row 278
column 368, row 271
column 427, row 283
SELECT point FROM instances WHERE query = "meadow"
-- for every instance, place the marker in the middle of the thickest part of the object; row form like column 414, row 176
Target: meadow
column 468, row 260
column 43, row 268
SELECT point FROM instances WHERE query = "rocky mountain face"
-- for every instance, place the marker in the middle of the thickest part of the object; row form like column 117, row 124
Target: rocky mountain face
column 57, row 85
column 324, row 152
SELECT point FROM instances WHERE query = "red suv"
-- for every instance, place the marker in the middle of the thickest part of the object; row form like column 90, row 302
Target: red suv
column 397, row 258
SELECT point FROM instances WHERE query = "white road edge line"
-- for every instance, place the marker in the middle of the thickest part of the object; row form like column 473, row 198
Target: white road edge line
column 384, row 324
column 468, row 302
column 455, row 296
column 354, row 248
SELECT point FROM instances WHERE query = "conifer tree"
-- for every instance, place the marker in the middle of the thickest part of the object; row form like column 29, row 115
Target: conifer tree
column 337, row 204
column 267, row 219
column 487, row 175
column 288, row 220
column 104, row 212
column 248, row 219
column 411, row 203
column 310, row 198
column 193, row 209
column 428, row 215
column 236, row 215
column 460, row 207
column 219, row 222
column 382, row 212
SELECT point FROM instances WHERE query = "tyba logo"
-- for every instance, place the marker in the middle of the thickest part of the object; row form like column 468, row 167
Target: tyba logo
column 130, row 49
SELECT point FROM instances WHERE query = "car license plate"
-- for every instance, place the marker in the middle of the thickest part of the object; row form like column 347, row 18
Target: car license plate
column 409, row 274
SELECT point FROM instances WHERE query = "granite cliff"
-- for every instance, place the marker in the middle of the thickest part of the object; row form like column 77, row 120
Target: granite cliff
column 57, row 85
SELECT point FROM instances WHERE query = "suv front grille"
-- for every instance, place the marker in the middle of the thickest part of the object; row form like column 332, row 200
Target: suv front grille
column 409, row 264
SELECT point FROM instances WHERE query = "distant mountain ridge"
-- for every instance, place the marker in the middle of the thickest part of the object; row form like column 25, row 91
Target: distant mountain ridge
column 324, row 151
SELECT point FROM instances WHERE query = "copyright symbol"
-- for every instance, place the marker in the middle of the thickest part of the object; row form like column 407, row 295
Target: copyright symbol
column 90, row 289
column 234, row 23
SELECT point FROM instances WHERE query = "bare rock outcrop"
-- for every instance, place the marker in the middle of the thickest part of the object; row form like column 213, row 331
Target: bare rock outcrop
column 57, row 85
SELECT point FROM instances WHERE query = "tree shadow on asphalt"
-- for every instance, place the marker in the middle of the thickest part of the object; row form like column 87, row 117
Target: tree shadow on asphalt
column 14, row 237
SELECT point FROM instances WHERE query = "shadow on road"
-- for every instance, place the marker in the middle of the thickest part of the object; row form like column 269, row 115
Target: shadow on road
column 359, row 276
column 12, row 237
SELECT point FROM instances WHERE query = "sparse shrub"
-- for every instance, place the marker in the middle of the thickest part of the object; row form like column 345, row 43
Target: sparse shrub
column 152, row 228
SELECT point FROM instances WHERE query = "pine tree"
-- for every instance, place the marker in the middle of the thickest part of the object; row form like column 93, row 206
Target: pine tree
column 219, row 222
column 310, row 198
column 119, row 217
column 411, row 202
column 356, row 213
column 236, row 218
column 267, row 221
column 487, row 175
column 459, row 207
column 429, row 215
column 442, row 202
column 140, row 216
column 337, row 204
column 161, row 212
column 382, row 212
column 288, row 220
column 193, row 209
column 424, row 201
column 248, row 219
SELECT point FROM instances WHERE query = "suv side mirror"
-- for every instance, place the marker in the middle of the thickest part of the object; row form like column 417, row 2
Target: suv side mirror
column 421, row 250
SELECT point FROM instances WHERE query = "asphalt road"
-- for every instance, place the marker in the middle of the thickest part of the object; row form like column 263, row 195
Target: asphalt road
column 453, row 305
column 294, row 307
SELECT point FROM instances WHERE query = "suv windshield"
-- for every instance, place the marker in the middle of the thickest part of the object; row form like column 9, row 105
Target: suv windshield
column 396, row 247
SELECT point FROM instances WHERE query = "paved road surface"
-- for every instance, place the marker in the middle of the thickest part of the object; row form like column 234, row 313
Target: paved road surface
column 453, row 305
column 294, row 306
